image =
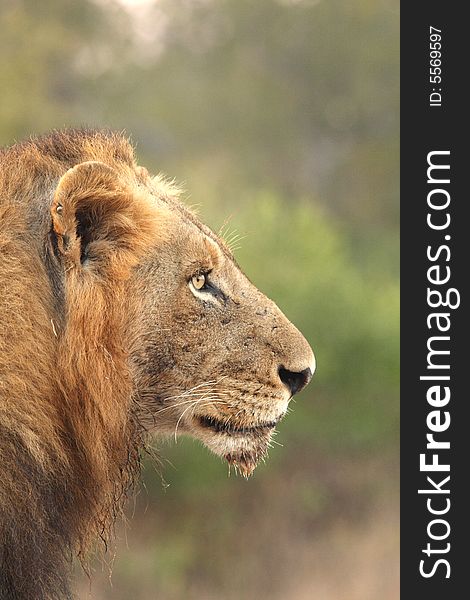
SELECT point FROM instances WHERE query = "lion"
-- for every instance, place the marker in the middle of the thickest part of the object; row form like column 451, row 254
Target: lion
column 122, row 316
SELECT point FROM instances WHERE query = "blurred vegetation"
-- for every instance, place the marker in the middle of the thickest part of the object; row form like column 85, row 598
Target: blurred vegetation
column 280, row 118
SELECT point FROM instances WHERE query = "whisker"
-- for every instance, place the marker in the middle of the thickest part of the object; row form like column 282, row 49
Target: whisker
column 224, row 228
column 178, row 404
column 196, row 402
column 191, row 390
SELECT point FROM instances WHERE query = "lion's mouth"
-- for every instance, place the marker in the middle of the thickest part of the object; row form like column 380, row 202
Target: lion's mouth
column 242, row 446
column 219, row 426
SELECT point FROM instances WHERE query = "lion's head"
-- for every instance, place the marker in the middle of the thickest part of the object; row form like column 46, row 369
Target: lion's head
column 214, row 357
column 209, row 354
column 124, row 316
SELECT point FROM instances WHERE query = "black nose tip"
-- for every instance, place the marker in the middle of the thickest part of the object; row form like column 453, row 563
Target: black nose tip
column 295, row 381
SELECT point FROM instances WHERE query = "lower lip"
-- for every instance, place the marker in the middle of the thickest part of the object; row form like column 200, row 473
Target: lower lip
column 220, row 427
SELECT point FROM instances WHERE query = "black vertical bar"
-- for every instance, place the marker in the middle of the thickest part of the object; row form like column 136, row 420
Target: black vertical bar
column 430, row 124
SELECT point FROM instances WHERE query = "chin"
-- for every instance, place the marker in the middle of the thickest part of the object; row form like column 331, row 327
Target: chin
column 241, row 446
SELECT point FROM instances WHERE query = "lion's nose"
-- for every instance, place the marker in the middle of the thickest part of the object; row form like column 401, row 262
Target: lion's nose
column 295, row 381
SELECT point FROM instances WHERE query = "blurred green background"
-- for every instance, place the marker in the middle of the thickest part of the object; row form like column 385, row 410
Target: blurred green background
column 280, row 119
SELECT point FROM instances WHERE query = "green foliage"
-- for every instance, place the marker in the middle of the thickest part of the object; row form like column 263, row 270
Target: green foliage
column 301, row 94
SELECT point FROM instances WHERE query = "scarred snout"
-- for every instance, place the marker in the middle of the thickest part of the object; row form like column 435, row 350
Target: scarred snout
column 293, row 360
column 296, row 372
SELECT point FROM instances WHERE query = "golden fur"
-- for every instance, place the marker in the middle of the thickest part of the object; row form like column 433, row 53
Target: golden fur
column 104, row 339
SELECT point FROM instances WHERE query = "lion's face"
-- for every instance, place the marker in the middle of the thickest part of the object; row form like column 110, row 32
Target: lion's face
column 217, row 360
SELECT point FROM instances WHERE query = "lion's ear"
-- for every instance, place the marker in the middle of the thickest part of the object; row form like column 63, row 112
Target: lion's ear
column 97, row 220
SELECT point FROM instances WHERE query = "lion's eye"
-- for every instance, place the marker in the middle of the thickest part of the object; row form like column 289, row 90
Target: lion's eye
column 198, row 281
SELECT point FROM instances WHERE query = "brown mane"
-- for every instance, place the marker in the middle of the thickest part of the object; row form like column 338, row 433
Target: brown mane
column 68, row 440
